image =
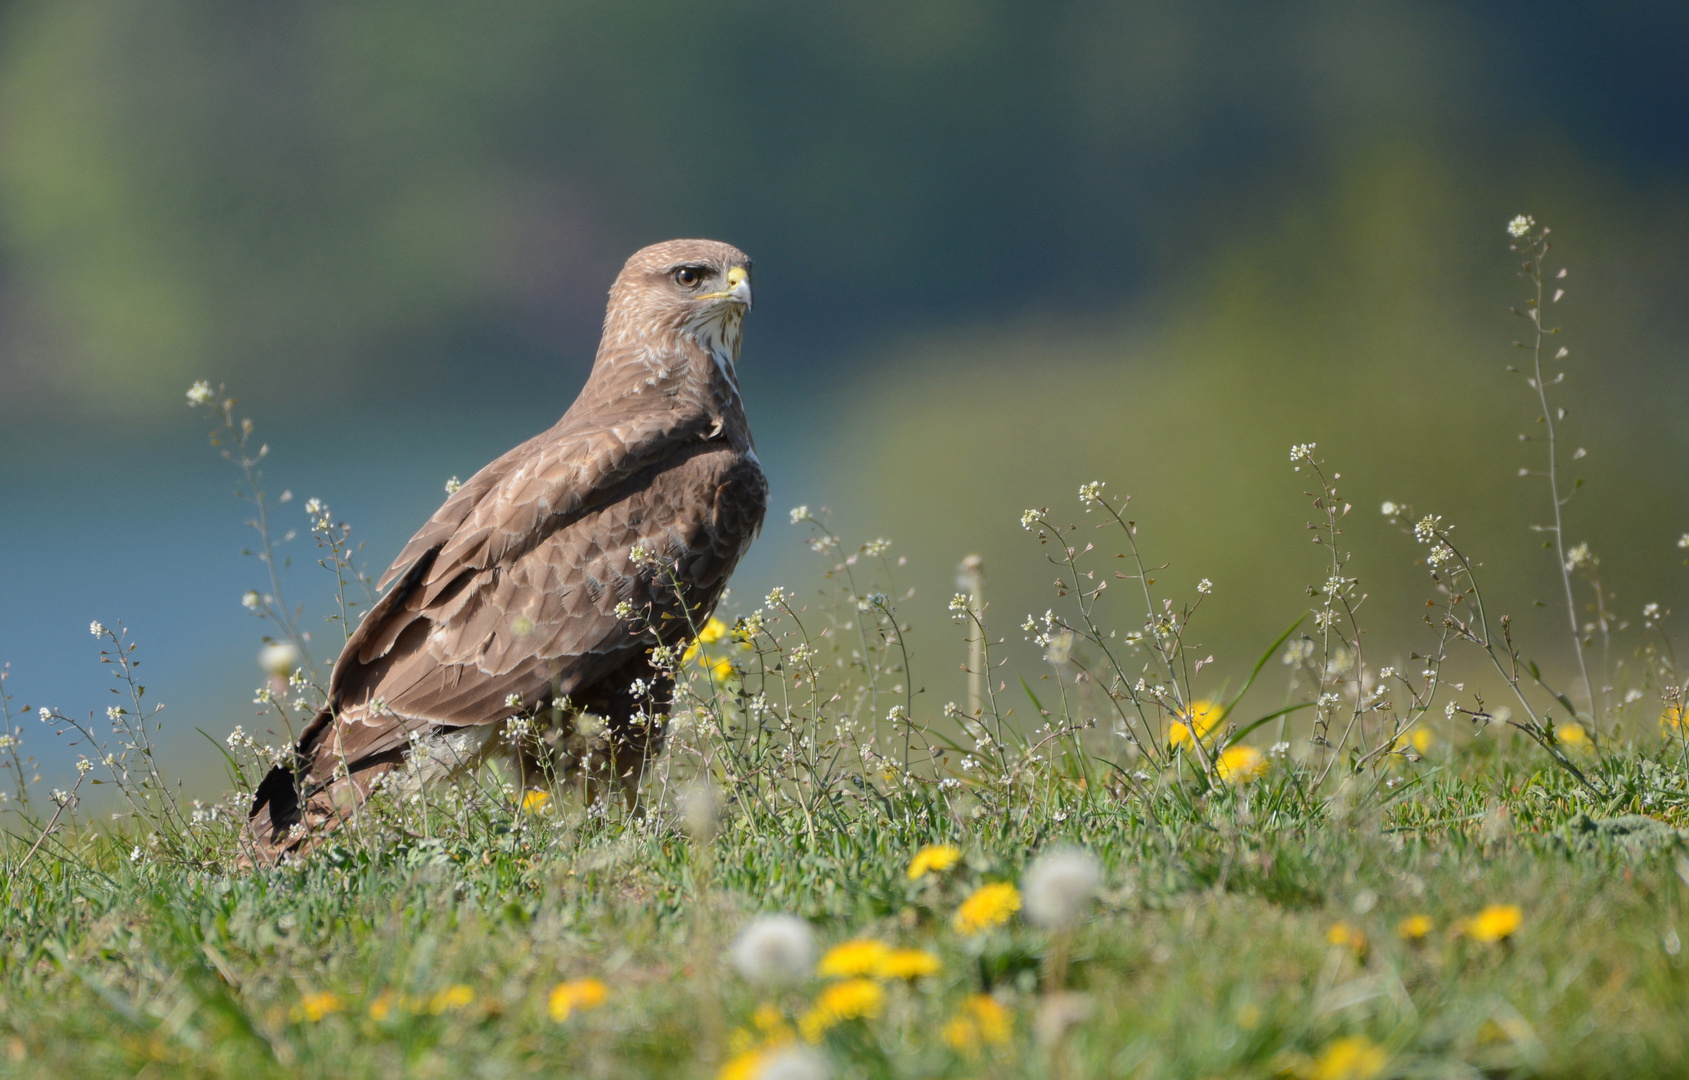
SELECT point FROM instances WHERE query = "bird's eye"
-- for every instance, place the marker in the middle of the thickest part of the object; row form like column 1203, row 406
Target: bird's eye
column 688, row 276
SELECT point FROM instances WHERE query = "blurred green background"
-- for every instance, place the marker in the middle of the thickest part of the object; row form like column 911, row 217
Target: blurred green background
column 1001, row 248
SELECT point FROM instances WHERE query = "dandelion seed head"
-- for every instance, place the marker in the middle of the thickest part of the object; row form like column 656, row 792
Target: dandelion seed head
column 279, row 658
column 792, row 1062
column 1059, row 885
column 774, row 950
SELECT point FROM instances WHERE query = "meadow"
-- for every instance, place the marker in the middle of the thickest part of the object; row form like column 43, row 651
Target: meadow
column 1468, row 860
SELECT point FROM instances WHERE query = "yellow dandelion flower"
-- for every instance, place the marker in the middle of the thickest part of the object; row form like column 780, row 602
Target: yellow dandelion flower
column 1355, row 1057
column 989, row 906
column 768, row 1018
column 982, row 1020
column 1240, row 764
column 853, row 999
column 314, row 1006
column 714, row 630
column 859, row 957
column 455, row 996
column 1419, row 740
column 907, row 964
column 744, row 1066
column 1571, row 734
column 1495, row 923
column 582, row 994
column 1414, row 927
column 1675, row 720
column 722, row 670
column 1350, row 937
column 382, row 1007
column 933, row 859
column 1206, row 715
column 535, row 801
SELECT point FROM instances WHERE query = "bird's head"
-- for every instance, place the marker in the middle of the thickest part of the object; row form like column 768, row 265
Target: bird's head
column 700, row 288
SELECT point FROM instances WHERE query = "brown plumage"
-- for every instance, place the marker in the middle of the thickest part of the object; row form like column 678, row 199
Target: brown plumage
column 504, row 603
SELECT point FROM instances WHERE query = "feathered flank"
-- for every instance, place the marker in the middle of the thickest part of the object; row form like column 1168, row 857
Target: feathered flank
column 504, row 603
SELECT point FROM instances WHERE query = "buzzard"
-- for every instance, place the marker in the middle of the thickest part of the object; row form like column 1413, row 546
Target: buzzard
column 541, row 586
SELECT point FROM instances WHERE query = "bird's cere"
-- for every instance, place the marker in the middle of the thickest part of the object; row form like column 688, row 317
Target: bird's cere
column 774, row 950
column 1059, row 886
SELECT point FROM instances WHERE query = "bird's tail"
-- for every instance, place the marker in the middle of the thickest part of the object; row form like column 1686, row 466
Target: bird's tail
column 275, row 824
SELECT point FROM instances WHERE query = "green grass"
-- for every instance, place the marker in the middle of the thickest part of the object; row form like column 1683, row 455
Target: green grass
column 1207, row 954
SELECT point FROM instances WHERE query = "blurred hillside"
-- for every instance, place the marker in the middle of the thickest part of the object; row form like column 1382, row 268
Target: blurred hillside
column 1002, row 249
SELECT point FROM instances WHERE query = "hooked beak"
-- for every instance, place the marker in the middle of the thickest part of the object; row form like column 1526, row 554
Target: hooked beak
column 738, row 288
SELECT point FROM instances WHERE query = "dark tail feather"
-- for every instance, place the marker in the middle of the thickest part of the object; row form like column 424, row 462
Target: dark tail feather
column 275, row 810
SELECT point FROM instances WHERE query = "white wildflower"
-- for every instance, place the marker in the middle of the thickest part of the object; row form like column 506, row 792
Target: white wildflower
column 1631, row 697
column 1651, row 612
column 114, row 713
column 513, row 701
column 84, row 766
column 1059, row 885
column 136, row 854
column 624, row 610
column 800, row 513
column 1425, row 530
column 279, row 658
column 1029, row 518
column 638, row 554
column 776, row 597
column 453, row 485
column 1092, row 492
column 1580, row 555
column 1389, row 509
column 774, row 950
column 1204, row 587
column 261, row 696
column 959, row 602
column 96, row 629
column 1683, row 541
column 199, row 393
column 46, row 715
column 1302, row 452
column 250, row 600
column 7, row 742
column 1520, row 226
column 1450, row 710
column 876, row 546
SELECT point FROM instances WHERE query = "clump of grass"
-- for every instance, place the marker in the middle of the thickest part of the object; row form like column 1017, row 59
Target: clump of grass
column 1115, row 864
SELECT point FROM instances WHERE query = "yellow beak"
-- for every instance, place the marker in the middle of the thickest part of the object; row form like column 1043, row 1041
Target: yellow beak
column 738, row 288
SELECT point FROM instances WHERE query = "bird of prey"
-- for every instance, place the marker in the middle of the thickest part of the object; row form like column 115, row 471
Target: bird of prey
column 541, row 586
